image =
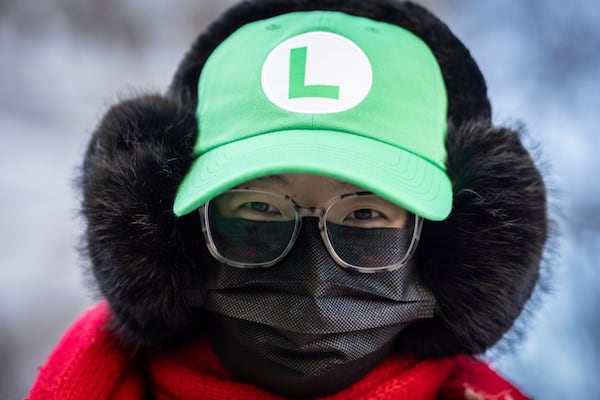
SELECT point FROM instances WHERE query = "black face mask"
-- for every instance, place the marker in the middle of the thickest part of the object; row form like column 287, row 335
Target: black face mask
column 307, row 327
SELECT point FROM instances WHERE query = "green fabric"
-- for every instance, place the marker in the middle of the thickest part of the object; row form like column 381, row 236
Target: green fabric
column 298, row 87
column 393, row 139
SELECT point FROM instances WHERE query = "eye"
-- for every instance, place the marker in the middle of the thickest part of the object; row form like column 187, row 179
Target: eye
column 260, row 207
column 366, row 211
column 365, row 218
column 363, row 214
column 254, row 206
column 261, row 211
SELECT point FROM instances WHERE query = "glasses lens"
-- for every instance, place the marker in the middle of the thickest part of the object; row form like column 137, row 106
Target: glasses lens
column 366, row 231
column 250, row 228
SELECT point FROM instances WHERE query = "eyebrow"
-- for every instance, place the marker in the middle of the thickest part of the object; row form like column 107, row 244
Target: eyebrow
column 346, row 186
column 274, row 179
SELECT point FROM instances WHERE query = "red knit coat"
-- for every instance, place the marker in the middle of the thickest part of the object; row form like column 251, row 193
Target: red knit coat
column 90, row 363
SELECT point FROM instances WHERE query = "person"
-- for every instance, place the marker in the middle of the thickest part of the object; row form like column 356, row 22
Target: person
column 319, row 207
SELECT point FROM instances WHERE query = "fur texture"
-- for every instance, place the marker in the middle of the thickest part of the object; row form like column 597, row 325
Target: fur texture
column 142, row 255
column 482, row 263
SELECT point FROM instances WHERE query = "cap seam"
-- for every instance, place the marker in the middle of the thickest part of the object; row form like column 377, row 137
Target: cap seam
column 327, row 130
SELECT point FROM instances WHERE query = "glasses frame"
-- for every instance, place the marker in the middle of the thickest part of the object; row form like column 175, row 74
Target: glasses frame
column 301, row 213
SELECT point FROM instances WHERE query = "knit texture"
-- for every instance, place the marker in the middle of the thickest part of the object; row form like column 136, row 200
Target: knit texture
column 90, row 363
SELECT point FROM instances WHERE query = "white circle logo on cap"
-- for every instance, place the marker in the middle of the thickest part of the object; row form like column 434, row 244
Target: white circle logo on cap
column 317, row 73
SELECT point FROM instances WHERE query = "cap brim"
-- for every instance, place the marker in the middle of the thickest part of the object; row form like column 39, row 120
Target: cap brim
column 399, row 176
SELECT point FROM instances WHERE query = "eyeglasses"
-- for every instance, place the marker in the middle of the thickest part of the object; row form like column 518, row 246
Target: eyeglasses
column 361, row 231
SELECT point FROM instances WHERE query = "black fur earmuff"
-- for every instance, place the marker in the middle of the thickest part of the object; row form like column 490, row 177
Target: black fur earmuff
column 482, row 263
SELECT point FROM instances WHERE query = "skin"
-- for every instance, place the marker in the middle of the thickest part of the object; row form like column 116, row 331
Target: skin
column 314, row 191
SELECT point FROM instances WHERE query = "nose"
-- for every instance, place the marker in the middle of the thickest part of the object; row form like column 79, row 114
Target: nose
column 309, row 263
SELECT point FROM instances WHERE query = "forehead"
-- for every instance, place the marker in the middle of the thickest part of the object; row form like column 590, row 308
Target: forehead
column 304, row 188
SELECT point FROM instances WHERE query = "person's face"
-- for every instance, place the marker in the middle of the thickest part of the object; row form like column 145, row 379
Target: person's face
column 296, row 305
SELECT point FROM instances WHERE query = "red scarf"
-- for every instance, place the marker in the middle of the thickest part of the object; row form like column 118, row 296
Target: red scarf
column 90, row 363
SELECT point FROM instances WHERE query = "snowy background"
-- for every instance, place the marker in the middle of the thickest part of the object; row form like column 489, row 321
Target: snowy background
column 63, row 62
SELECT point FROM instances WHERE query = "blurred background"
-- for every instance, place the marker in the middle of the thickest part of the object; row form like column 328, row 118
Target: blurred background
column 63, row 62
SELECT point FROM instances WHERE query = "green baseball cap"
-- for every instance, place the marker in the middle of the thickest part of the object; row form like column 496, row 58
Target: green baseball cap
column 326, row 93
